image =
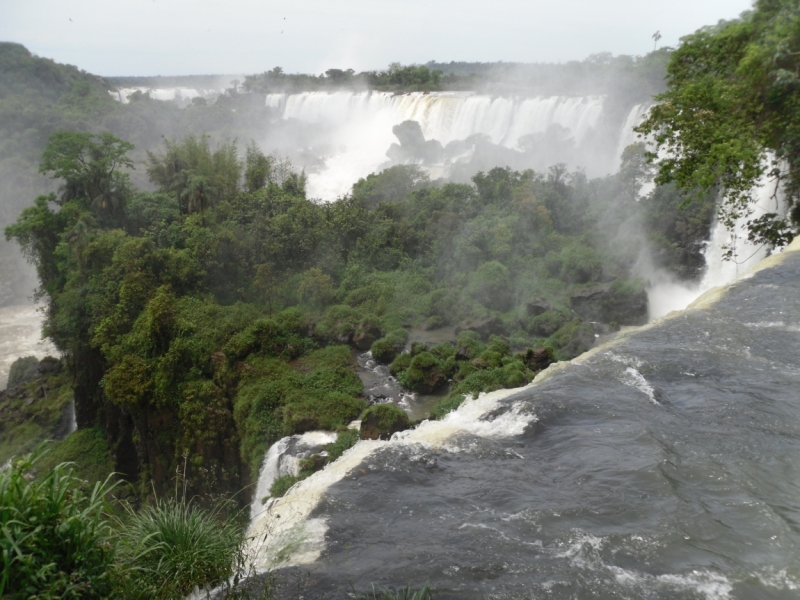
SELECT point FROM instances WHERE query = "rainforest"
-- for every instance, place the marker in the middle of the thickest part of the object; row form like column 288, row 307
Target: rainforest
column 317, row 335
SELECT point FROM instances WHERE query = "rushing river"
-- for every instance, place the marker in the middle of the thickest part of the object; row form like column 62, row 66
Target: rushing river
column 666, row 465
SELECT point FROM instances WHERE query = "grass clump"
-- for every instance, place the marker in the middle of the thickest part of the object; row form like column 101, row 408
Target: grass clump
column 404, row 593
column 170, row 547
column 344, row 441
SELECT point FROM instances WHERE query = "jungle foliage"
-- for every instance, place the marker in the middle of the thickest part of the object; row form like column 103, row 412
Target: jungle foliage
column 216, row 314
column 731, row 117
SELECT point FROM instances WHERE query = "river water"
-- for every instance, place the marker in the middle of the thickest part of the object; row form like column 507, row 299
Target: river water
column 666, row 465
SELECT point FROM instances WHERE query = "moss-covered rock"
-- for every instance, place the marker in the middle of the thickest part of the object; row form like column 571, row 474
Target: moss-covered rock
column 425, row 374
column 380, row 421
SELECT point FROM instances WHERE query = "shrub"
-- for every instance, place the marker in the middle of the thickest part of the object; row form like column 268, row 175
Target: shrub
column 447, row 405
column 400, row 364
column 281, row 485
column 380, row 421
column 56, row 541
column 469, row 345
column 170, row 547
column 344, row 441
column 491, row 286
column 326, row 411
column 425, row 373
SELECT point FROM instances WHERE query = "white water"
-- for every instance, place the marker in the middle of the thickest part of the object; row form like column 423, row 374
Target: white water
column 281, row 530
column 361, row 124
column 20, row 335
column 667, row 294
column 180, row 94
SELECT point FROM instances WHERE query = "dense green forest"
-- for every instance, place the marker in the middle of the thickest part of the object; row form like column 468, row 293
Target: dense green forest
column 205, row 307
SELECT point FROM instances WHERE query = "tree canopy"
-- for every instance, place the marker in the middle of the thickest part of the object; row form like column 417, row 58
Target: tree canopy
column 730, row 117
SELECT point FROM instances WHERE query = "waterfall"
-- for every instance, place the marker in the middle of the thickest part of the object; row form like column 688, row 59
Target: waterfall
column 178, row 94
column 666, row 294
column 360, row 124
column 283, row 458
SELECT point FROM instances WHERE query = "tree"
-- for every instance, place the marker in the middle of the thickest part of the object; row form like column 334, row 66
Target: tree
column 731, row 116
column 90, row 166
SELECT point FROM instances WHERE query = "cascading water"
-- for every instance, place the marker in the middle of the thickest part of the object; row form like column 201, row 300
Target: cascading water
column 361, row 123
column 666, row 294
column 664, row 465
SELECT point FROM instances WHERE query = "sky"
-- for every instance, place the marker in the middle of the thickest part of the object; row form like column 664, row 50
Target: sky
column 188, row 37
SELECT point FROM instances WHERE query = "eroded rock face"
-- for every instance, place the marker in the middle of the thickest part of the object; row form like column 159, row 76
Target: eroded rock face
column 537, row 306
column 611, row 303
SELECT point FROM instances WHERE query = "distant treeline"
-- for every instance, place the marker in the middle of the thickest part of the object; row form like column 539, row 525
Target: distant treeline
column 599, row 74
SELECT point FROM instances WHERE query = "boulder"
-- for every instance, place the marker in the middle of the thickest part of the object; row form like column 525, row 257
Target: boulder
column 49, row 365
column 364, row 338
column 538, row 359
column 484, row 327
column 537, row 306
column 617, row 302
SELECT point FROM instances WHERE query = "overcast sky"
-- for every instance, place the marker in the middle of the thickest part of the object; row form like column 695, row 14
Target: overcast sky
column 181, row 37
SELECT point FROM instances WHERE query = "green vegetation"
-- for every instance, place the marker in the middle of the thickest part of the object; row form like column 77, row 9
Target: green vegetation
column 169, row 547
column 59, row 540
column 634, row 78
column 35, row 411
column 217, row 314
column 23, row 370
column 405, row 593
column 56, row 539
column 731, row 115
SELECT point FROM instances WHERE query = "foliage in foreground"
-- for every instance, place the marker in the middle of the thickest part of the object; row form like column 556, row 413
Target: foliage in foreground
column 56, row 542
column 169, row 547
column 404, row 593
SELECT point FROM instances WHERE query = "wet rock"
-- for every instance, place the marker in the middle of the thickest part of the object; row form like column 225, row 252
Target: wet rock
column 485, row 327
column 537, row 306
column 363, row 338
column 619, row 302
column 382, row 420
column 538, row 359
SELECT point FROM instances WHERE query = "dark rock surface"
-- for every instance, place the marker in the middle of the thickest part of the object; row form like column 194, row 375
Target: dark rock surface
column 609, row 303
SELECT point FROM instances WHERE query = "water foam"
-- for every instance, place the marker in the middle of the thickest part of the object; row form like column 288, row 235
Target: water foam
column 281, row 532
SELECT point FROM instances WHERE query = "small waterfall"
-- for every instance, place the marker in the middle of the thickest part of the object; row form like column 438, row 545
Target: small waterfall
column 666, row 294
column 283, row 458
column 628, row 136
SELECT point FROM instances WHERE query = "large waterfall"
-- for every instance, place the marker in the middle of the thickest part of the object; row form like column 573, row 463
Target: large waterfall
column 359, row 126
